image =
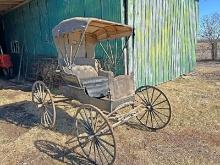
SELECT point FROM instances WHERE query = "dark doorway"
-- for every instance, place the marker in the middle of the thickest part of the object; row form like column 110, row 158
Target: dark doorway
column 2, row 43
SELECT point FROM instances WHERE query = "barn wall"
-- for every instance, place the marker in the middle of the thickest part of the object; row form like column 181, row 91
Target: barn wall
column 165, row 32
column 1, row 34
column 32, row 23
column 165, row 39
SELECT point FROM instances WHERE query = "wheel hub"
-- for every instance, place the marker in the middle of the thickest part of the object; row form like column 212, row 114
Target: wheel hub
column 91, row 137
column 40, row 105
column 150, row 107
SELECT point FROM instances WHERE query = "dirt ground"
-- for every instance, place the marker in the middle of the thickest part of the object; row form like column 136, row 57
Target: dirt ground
column 191, row 137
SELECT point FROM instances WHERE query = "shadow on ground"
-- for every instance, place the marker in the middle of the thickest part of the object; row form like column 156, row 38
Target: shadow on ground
column 24, row 114
column 61, row 153
column 16, row 85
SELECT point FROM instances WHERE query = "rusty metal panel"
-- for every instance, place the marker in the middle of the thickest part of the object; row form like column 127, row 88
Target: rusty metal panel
column 165, row 39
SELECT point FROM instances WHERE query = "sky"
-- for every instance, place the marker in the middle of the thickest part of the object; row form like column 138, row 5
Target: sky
column 209, row 6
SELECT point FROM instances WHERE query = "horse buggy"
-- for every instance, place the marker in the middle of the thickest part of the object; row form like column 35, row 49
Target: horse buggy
column 107, row 101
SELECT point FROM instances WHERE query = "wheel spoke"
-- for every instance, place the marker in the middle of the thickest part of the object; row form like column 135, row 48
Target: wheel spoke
column 156, row 99
column 96, row 118
column 94, row 150
column 87, row 119
column 101, row 127
column 152, row 96
column 83, row 137
column 160, row 113
column 159, row 118
column 42, row 91
column 103, row 146
column 151, row 120
column 38, row 91
column 155, row 119
column 144, row 97
column 45, row 120
column 147, row 117
column 141, row 98
column 159, row 103
column 48, row 111
column 89, row 126
column 99, row 152
column 90, row 148
column 91, row 119
column 84, row 122
column 112, row 145
column 45, row 97
column 102, row 152
column 105, row 134
column 49, row 117
column 41, row 120
column 163, row 108
column 143, row 115
column 37, row 97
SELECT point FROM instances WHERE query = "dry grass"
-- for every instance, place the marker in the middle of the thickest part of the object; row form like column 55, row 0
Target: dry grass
column 192, row 137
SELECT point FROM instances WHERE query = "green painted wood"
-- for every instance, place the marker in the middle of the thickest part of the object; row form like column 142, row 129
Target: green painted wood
column 162, row 49
column 165, row 39
column 32, row 23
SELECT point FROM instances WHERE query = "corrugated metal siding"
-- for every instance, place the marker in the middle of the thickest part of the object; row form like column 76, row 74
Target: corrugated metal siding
column 165, row 39
column 32, row 23
column 165, row 32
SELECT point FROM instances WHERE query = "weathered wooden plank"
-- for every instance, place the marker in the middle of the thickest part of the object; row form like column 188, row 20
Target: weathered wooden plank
column 131, row 41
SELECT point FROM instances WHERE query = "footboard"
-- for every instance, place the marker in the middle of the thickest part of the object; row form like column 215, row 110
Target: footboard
column 122, row 86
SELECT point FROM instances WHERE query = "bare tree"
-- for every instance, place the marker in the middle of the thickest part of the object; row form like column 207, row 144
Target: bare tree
column 210, row 31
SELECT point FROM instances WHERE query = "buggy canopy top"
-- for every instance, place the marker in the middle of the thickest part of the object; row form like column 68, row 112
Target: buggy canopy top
column 78, row 37
column 97, row 28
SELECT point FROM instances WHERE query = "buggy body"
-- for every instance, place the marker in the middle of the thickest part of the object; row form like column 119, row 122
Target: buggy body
column 107, row 101
column 86, row 81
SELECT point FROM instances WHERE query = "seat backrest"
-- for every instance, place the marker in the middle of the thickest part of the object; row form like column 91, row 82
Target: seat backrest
column 81, row 71
column 86, row 61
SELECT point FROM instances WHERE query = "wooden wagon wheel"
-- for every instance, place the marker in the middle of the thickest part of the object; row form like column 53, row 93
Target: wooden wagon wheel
column 42, row 97
column 95, row 135
column 157, row 109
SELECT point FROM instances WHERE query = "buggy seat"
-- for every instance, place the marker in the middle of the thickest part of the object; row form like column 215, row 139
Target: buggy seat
column 83, row 74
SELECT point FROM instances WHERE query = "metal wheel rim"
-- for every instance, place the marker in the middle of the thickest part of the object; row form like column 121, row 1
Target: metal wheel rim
column 151, row 113
column 99, row 148
column 48, row 118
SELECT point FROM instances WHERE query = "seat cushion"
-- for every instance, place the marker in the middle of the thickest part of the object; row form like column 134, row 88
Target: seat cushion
column 96, row 86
